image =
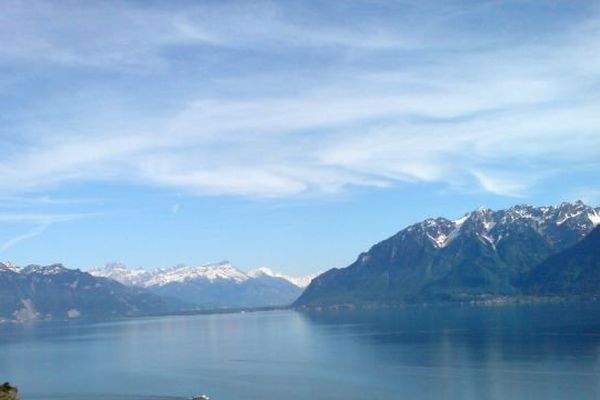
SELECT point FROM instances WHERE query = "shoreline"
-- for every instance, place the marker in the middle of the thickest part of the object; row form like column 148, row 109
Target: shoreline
column 492, row 301
column 495, row 301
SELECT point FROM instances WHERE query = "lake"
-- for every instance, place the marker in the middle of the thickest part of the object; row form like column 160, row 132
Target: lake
column 511, row 352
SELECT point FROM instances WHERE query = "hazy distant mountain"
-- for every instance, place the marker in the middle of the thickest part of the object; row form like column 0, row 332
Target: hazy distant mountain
column 301, row 282
column 44, row 292
column 483, row 253
column 212, row 285
column 574, row 271
column 122, row 274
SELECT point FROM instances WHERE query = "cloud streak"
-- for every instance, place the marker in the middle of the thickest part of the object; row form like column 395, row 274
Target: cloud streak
column 407, row 103
column 17, row 239
column 42, row 222
column 41, row 218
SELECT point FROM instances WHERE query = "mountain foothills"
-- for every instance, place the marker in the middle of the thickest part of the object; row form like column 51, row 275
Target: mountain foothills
column 520, row 251
column 55, row 292
column 574, row 270
column 212, row 285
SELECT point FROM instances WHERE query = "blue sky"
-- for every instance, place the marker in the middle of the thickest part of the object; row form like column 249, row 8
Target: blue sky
column 284, row 134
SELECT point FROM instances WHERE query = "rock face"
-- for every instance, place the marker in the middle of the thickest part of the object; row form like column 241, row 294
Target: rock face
column 218, row 285
column 8, row 392
column 484, row 253
column 55, row 292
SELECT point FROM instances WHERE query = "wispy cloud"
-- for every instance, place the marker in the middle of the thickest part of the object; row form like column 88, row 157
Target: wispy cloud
column 41, row 218
column 44, row 200
column 358, row 102
column 42, row 221
column 28, row 235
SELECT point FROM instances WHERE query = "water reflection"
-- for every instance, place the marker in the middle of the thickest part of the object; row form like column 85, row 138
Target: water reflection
column 549, row 352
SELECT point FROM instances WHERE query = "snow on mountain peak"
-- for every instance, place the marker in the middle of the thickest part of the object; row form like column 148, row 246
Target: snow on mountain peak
column 439, row 240
column 263, row 271
column 210, row 272
column 594, row 216
column 301, row 282
column 492, row 226
column 43, row 269
column 458, row 222
column 122, row 274
column 34, row 269
column 10, row 266
column 222, row 271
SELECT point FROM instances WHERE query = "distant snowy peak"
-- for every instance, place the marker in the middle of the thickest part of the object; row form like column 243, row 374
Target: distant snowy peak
column 164, row 276
column 210, row 272
column 491, row 226
column 8, row 266
column 301, row 282
column 34, row 269
column 44, row 269
column 53, row 269
column 595, row 217
column 122, row 274
column 214, row 272
column 263, row 271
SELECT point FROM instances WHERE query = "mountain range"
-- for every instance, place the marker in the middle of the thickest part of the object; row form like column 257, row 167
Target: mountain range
column 218, row 285
column 523, row 251
column 55, row 292
column 483, row 254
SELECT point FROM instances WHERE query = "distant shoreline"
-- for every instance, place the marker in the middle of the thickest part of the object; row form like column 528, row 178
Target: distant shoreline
column 152, row 315
column 496, row 301
column 492, row 301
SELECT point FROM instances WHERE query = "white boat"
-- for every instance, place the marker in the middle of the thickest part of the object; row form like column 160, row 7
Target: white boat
column 201, row 397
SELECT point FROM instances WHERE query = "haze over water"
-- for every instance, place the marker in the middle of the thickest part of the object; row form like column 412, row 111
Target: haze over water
column 526, row 352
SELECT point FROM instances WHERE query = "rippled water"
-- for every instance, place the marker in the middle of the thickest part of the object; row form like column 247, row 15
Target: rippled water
column 529, row 352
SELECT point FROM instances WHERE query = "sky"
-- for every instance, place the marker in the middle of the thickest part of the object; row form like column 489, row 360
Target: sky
column 292, row 135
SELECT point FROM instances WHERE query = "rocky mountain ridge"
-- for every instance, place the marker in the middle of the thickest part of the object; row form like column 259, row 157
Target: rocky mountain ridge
column 215, row 285
column 212, row 272
column 484, row 253
column 55, row 292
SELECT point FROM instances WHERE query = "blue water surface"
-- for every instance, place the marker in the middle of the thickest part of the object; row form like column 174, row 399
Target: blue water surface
column 545, row 352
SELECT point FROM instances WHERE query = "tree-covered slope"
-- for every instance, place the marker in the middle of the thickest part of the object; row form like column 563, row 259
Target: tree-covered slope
column 574, row 271
column 485, row 253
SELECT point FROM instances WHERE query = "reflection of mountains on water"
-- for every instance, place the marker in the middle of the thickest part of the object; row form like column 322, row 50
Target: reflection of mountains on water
column 455, row 336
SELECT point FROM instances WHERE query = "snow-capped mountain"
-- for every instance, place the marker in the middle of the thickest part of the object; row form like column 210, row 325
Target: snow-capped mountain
column 181, row 273
column 485, row 252
column 575, row 220
column 211, row 285
column 222, row 271
column 53, row 269
column 8, row 266
column 53, row 291
column 122, row 274
column 300, row 281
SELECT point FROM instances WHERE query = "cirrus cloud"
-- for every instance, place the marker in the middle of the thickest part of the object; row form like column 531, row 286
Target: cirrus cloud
column 313, row 107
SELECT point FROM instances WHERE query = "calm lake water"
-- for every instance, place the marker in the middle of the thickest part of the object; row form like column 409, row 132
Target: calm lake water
column 527, row 352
